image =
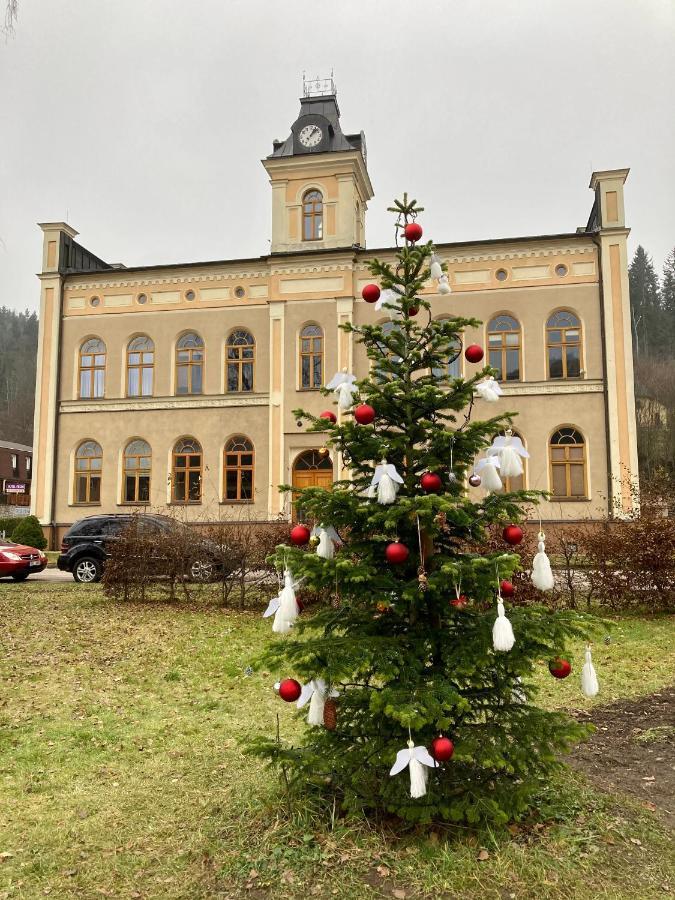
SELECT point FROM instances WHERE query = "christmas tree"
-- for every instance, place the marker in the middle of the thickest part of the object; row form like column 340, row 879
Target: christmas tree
column 411, row 665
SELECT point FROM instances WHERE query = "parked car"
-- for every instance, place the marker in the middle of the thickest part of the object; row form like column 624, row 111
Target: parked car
column 87, row 544
column 18, row 561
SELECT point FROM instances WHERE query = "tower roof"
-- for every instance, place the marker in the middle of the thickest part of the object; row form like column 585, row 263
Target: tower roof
column 323, row 106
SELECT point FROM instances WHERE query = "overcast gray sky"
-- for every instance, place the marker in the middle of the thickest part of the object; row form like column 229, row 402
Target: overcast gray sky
column 143, row 122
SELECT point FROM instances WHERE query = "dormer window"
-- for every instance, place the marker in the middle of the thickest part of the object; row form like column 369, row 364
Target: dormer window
column 312, row 216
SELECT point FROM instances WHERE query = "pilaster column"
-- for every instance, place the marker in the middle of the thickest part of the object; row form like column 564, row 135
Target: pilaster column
column 276, row 441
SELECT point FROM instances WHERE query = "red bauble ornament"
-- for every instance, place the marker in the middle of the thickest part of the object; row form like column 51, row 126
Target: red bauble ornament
column 371, row 293
column 413, row 232
column 441, row 749
column 413, row 311
column 474, row 353
column 290, row 690
column 364, row 414
column 396, row 553
column 431, row 482
column 460, row 602
column 299, row 603
column 300, row 535
column 506, row 589
column 513, row 534
column 329, row 415
column 559, row 667
column 474, row 480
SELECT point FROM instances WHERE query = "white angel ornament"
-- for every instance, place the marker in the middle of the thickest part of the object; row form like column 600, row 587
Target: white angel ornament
column 385, row 483
column 316, row 692
column 329, row 541
column 488, row 389
column 284, row 607
column 489, row 476
column 509, row 449
column 343, row 384
column 391, row 297
column 417, row 759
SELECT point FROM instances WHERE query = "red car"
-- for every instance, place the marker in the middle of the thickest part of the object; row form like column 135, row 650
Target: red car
column 18, row 561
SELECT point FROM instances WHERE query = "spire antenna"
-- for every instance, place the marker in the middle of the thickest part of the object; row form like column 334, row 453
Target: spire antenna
column 319, row 87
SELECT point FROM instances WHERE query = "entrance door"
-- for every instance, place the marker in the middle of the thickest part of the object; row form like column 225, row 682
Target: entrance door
column 310, row 469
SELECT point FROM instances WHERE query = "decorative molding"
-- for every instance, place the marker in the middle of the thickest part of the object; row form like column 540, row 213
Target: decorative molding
column 523, row 389
column 136, row 405
column 500, row 255
column 148, row 281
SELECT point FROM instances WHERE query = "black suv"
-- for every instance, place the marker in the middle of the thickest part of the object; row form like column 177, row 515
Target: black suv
column 86, row 546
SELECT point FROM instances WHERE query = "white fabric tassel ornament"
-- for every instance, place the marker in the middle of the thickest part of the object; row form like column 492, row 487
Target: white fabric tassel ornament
column 444, row 285
column 589, row 680
column 436, row 267
column 417, row 759
column 316, row 692
column 287, row 611
column 487, row 469
column 511, row 465
column 328, row 540
column 488, row 389
column 386, row 480
column 542, row 576
column 502, row 632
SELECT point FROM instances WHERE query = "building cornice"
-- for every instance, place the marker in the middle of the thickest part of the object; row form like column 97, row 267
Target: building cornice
column 135, row 404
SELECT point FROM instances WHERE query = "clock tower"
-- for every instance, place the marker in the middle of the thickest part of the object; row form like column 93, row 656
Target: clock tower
column 320, row 182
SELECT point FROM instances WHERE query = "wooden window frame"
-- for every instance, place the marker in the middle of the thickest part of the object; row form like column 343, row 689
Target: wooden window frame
column 91, row 370
column 136, row 473
column 88, row 474
column 190, row 364
column 187, row 469
column 504, row 347
column 239, row 362
column 238, row 468
column 563, row 344
column 310, row 355
column 314, row 216
column 141, row 366
column 568, row 463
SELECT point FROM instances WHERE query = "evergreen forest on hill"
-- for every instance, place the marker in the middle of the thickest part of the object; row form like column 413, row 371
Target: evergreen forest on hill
column 653, row 326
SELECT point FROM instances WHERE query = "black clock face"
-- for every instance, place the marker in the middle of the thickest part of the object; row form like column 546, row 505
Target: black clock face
column 310, row 136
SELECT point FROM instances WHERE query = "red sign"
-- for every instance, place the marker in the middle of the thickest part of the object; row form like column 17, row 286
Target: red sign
column 15, row 487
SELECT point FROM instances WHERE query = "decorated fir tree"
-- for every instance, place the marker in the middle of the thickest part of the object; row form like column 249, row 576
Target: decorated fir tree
column 414, row 664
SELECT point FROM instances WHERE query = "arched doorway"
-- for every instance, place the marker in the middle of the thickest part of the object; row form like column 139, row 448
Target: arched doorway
column 311, row 469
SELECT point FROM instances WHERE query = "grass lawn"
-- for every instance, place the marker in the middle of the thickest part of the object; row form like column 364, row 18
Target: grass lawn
column 122, row 773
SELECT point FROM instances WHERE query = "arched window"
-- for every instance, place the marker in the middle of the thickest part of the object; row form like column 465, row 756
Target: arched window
column 240, row 359
column 311, row 358
column 454, row 367
column 312, row 216
column 88, row 468
column 567, row 450
column 92, row 368
column 137, row 471
column 388, row 328
column 186, row 481
column 504, row 342
column 563, row 345
column 140, row 366
column 189, row 364
column 239, row 468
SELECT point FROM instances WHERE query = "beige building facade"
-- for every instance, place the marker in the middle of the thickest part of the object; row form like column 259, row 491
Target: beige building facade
column 172, row 387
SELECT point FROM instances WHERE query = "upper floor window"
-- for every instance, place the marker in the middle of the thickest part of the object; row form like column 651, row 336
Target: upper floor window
column 186, row 481
column 504, row 342
column 140, row 366
column 240, row 360
column 567, row 450
column 88, row 469
column 92, row 368
column 454, row 366
column 563, row 345
column 238, row 472
column 137, row 471
column 311, row 358
column 189, row 364
column 312, row 216
column 15, row 465
column 29, row 467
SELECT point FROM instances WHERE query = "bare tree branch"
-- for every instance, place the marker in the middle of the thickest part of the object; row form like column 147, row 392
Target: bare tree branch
column 11, row 16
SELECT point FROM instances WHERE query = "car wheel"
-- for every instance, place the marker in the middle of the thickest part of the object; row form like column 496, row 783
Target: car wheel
column 202, row 570
column 20, row 576
column 87, row 570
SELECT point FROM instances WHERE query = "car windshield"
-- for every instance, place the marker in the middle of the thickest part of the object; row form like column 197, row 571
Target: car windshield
column 5, row 543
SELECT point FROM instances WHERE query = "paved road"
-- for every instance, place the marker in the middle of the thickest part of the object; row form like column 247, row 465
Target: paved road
column 50, row 576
